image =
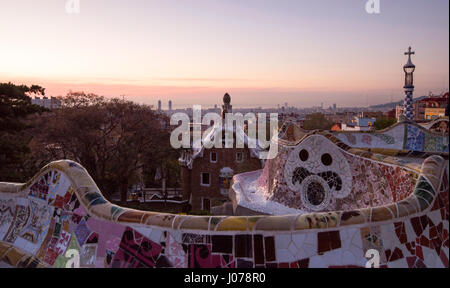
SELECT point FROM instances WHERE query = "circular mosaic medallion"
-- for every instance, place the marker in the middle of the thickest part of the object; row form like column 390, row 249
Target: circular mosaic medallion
column 316, row 194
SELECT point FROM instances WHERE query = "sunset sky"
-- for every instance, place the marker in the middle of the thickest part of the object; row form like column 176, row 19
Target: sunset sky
column 263, row 52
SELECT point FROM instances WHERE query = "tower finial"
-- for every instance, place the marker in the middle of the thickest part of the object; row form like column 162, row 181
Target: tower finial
column 226, row 98
column 226, row 107
column 409, row 53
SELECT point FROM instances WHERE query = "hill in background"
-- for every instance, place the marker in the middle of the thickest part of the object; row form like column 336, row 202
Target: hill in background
column 391, row 105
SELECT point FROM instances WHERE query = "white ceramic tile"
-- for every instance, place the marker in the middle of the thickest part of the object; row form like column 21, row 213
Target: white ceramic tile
column 317, row 262
column 400, row 263
column 282, row 241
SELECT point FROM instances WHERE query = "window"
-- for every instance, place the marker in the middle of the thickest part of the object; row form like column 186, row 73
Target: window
column 213, row 157
column 205, row 179
column 239, row 157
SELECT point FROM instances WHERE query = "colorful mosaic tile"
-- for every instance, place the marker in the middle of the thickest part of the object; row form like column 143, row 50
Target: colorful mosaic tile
column 398, row 211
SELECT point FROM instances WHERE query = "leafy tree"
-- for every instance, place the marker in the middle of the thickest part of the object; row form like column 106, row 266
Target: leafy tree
column 317, row 121
column 15, row 108
column 383, row 123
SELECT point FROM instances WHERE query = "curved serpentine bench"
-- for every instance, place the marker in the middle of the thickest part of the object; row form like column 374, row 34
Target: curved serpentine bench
column 407, row 136
column 60, row 219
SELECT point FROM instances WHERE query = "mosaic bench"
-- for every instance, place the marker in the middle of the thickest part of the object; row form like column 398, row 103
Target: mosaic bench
column 60, row 219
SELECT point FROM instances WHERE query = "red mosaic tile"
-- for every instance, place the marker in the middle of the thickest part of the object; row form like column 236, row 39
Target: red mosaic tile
column 67, row 197
column 411, row 261
column 304, row 263
column 243, row 246
column 51, row 256
column 433, row 232
column 439, row 228
column 443, row 214
column 424, row 221
column 59, row 201
column 437, row 243
column 327, row 241
column 400, row 230
column 258, row 247
column 425, row 242
column 444, row 234
column 415, row 222
column 269, row 244
column 419, row 252
column 394, row 255
column 415, row 262
column 419, row 264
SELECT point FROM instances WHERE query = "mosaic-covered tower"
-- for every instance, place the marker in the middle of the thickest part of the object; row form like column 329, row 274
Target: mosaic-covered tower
column 409, row 68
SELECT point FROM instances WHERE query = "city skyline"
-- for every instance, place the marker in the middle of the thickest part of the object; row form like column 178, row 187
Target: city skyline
column 262, row 53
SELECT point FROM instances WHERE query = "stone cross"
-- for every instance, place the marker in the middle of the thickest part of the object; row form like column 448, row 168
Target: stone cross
column 409, row 53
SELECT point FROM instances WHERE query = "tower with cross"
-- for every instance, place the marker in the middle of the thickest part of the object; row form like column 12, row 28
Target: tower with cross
column 409, row 68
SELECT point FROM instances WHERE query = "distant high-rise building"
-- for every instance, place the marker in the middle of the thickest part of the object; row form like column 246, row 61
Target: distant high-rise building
column 159, row 105
column 170, row 105
column 334, row 106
